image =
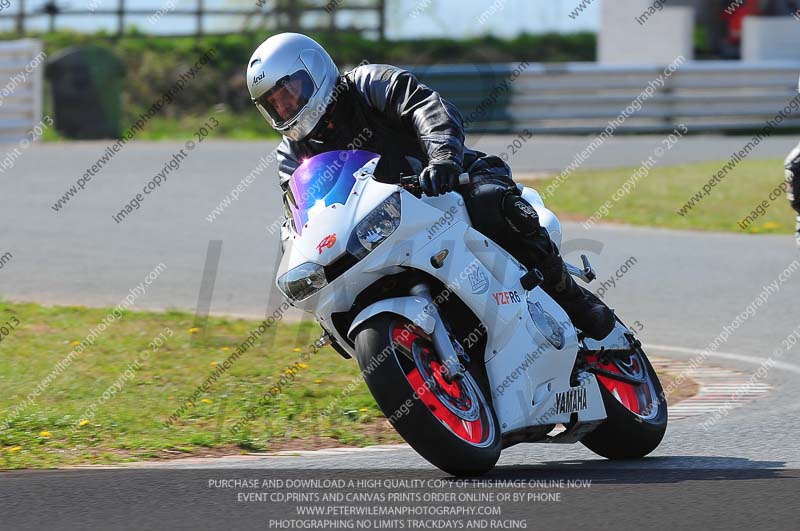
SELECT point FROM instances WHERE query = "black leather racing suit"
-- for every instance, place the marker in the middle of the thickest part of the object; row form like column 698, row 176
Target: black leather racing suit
column 384, row 109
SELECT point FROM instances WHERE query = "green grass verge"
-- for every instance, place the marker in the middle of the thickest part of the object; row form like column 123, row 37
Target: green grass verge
column 130, row 424
column 657, row 198
column 232, row 126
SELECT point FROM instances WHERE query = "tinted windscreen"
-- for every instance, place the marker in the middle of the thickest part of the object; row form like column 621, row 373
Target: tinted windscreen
column 323, row 180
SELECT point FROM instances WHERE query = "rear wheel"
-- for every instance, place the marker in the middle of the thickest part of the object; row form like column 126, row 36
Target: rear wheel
column 451, row 424
column 634, row 402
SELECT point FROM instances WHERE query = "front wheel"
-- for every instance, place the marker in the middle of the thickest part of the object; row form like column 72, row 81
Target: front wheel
column 635, row 405
column 448, row 423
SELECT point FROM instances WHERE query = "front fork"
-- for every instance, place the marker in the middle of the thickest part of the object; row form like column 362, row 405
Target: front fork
column 445, row 348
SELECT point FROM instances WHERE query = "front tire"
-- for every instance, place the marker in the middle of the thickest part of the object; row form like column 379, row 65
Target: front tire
column 637, row 414
column 451, row 424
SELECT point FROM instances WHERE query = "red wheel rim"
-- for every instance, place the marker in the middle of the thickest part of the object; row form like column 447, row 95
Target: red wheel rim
column 637, row 398
column 424, row 372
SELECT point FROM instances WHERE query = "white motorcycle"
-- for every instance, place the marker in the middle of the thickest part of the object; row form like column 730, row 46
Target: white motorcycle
column 463, row 352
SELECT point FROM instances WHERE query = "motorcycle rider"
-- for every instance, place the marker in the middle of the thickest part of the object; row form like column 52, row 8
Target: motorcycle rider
column 297, row 87
column 792, row 166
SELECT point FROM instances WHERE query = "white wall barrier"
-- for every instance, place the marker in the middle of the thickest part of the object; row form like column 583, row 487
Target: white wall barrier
column 22, row 65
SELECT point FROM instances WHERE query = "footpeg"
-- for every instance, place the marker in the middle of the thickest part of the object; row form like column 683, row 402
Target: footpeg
column 532, row 279
column 586, row 274
column 326, row 339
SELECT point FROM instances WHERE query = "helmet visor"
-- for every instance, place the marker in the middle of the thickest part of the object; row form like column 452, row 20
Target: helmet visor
column 288, row 97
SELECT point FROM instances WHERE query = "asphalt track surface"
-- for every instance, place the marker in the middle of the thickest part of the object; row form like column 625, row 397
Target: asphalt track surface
column 741, row 472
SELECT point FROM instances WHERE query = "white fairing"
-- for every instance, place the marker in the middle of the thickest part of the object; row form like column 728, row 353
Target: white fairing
column 412, row 308
column 547, row 219
column 526, row 370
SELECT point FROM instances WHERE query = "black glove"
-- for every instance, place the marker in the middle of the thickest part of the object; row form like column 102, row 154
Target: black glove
column 440, row 177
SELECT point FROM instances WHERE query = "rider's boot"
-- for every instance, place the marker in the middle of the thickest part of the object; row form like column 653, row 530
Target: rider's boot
column 586, row 311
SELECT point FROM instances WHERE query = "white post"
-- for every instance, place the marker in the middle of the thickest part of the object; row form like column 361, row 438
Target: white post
column 770, row 39
column 644, row 32
column 37, row 84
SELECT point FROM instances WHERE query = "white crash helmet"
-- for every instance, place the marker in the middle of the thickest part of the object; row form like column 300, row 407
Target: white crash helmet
column 291, row 79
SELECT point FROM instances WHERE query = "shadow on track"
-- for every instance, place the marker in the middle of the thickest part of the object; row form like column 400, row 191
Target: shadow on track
column 672, row 469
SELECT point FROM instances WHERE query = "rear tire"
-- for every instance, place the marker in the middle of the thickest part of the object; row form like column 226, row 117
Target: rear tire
column 427, row 411
column 626, row 434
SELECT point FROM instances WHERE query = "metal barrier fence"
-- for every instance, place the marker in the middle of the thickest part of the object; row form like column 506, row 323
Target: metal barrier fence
column 582, row 98
column 22, row 65
column 257, row 15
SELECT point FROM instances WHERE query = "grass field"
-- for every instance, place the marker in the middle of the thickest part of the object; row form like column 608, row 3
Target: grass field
column 130, row 424
column 656, row 198
column 232, row 126
column 112, row 402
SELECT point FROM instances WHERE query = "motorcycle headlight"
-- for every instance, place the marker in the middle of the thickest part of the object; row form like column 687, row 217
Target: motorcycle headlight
column 375, row 227
column 303, row 281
